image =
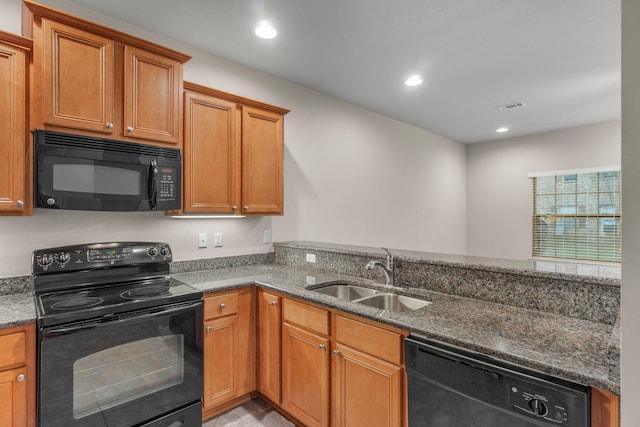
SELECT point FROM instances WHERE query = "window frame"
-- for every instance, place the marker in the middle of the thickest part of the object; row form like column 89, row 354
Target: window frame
column 565, row 226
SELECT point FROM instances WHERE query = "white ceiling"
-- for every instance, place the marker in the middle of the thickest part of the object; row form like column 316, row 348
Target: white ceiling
column 560, row 57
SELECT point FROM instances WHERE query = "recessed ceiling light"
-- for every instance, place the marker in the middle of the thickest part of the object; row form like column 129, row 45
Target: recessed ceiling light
column 265, row 30
column 414, row 80
column 502, row 130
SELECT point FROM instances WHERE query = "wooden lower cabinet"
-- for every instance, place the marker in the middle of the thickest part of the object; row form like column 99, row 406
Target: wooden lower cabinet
column 229, row 349
column 366, row 391
column 18, row 376
column 305, row 375
column 269, row 338
column 605, row 408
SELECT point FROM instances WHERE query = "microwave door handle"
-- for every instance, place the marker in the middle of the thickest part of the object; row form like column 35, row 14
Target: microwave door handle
column 153, row 184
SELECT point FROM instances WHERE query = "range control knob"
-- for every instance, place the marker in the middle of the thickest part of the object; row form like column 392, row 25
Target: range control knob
column 538, row 407
column 164, row 251
column 152, row 251
column 63, row 257
column 45, row 260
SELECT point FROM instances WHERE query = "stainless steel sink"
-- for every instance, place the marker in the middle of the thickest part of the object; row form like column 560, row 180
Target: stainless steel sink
column 346, row 292
column 394, row 303
column 373, row 298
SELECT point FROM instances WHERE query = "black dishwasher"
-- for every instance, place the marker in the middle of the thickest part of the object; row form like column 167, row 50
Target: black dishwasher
column 450, row 387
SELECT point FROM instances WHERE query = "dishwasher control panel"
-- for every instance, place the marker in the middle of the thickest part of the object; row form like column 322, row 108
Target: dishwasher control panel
column 539, row 403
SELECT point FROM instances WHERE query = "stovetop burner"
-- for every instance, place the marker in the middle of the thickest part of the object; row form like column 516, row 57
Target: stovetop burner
column 146, row 292
column 76, row 303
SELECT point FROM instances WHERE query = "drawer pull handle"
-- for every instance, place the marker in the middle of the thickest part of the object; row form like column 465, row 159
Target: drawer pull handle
column 322, row 346
column 336, row 352
column 222, row 306
column 20, row 378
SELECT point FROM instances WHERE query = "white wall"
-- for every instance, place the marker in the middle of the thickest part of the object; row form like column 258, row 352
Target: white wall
column 630, row 374
column 351, row 176
column 499, row 200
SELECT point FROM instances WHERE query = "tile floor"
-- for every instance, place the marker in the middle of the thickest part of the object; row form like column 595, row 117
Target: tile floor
column 255, row 412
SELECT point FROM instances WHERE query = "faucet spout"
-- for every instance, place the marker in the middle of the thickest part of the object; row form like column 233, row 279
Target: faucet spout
column 387, row 268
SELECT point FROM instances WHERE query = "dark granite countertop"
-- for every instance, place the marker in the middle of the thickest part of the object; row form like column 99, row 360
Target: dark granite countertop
column 17, row 309
column 579, row 350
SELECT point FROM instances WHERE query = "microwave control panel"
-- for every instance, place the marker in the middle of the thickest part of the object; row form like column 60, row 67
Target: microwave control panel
column 167, row 181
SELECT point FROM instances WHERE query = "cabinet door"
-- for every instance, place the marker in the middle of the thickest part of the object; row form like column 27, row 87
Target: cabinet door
column 262, row 157
column 13, row 143
column 367, row 391
column 305, row 376
column 211, row 155
column 269, row 319
column 78, row 73
column 220, row 352
column 13, row 395
column 152, row 99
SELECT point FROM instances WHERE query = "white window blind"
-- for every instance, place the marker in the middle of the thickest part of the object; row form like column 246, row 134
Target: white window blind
column 577, row 215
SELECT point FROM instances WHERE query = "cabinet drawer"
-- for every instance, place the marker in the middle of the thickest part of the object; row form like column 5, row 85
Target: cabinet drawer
column 311, row 318
column 220, row 305
column 378, row 342
column 14, row 349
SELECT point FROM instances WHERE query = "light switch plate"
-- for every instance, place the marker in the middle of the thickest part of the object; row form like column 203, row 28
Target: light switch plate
column 266, row 236
column 202, row 240
column 217, row 240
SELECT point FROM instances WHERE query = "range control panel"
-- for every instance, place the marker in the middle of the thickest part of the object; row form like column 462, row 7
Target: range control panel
column 96, row 255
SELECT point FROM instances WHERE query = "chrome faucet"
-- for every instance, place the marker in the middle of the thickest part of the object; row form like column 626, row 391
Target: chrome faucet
column 387, row 269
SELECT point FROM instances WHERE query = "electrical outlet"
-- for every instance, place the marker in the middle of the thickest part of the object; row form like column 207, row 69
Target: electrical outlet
column 202, row 240
column 311, row 257
column 266, row 236
column 217, row 240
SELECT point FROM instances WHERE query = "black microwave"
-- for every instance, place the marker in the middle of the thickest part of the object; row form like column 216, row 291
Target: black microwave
column 95, row 174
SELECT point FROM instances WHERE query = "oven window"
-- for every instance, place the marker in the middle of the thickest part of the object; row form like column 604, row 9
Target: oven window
column 120, row 374
column 96, row 179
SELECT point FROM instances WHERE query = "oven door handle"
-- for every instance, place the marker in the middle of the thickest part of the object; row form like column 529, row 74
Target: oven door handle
column 118, row 320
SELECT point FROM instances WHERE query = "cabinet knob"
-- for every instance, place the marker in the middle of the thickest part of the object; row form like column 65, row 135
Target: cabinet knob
column 208, row 329
column 109, row 125
column 19, row 203
column 129, row 129
column 246, row 208
column 20, row 378
column 322, row 346
column 336, row 352
column 222, row 306
column 274, row 303
column 234, row 207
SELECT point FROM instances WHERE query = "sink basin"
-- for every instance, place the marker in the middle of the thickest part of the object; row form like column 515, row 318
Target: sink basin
column 394, row 303
column 346, row 292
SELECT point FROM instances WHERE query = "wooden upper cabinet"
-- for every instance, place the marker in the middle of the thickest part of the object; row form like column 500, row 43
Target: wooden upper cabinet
column 78, row 74
column 15, row 164
column 262, row 162
column 211, row 155
column 233, row 154
column 93, row 80
column 151, row 96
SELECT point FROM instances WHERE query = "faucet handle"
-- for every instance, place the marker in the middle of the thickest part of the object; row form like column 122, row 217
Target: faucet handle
column 389, row 258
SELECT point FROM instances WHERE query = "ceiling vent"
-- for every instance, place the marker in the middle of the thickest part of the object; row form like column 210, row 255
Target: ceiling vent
column 510, row 106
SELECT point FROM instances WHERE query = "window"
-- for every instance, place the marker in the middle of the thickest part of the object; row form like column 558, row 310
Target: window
column 576, row 214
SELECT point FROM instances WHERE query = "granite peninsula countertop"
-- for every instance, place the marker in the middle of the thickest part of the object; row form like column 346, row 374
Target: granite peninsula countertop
column 579, row 350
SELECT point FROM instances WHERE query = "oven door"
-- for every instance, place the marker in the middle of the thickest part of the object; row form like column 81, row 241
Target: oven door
column 121, row 372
